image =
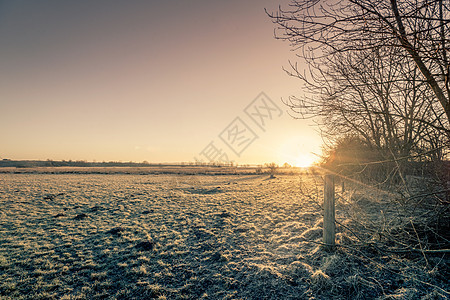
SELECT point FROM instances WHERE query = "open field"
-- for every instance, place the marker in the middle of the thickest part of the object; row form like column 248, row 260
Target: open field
column 152, row 170
column 179, row 236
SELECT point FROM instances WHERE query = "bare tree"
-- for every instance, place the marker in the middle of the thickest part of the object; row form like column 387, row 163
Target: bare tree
column 273, row 168
column 417, row 32
column 376, row 76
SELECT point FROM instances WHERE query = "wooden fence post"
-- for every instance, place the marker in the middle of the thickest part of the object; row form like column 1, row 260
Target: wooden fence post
column 329, row 226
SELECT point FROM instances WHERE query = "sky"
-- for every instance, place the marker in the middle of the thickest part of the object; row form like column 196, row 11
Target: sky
column 156, row 81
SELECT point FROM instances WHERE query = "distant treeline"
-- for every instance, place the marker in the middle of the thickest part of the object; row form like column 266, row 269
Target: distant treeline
column 144, row 168
column 71, row 163
column 8, row 163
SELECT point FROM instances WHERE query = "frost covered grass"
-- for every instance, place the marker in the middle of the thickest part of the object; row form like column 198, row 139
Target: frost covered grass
column 89, row 236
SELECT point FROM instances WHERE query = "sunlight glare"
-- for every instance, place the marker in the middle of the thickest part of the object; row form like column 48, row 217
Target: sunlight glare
column 304, row 161
column 294, row 152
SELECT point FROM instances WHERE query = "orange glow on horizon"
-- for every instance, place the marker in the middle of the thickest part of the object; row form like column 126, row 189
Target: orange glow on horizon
column 296, row 151
column 304, row 161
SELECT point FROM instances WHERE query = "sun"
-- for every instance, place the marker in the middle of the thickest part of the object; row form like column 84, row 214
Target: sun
column 303, row 161
column 299, row 160
column 296, row 151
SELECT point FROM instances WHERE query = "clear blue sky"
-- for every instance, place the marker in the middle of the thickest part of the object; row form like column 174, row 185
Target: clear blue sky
column 142, row 80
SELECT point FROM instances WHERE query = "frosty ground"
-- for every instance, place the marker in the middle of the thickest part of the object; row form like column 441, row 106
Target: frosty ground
column 89, row 236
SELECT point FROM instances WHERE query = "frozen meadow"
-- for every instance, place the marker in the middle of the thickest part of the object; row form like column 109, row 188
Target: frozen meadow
column 169, row 236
